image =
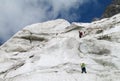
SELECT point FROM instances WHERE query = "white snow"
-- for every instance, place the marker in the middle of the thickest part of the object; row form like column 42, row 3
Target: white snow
column 53, row 51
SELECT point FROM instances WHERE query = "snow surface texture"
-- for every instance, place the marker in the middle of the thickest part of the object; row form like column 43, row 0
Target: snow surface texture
column 53, row 51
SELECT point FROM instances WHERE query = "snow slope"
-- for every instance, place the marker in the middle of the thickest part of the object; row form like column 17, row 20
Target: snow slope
column 53, row 51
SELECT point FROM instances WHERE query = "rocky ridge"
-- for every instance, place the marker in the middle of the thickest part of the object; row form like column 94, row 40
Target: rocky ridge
column 112, row 9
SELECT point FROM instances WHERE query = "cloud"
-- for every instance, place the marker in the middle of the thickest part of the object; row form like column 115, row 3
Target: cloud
column 16, row 14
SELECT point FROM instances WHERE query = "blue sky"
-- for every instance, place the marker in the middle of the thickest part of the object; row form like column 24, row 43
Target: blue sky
column 16, row 14
column 89, row 11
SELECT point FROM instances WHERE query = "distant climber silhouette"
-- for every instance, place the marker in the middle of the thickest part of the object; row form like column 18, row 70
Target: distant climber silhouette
column 83, row 68
column 80, row 34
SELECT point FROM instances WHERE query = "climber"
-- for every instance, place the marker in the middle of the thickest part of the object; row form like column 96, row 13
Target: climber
column 83, row 68
column 80, row 34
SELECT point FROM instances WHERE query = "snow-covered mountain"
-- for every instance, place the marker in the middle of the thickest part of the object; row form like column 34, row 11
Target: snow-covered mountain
column 53, row 51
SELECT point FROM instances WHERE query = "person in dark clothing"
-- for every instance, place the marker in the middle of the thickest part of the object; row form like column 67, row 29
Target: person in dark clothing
column 80, row 34
column 83, row 68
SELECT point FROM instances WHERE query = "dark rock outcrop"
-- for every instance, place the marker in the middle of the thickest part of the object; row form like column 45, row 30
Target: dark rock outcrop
column 112, row 9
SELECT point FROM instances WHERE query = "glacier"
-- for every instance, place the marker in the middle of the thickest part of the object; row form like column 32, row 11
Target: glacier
column 53, row 51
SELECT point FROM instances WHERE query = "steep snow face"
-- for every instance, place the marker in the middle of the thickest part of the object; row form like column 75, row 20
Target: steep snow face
column 35, row 35
column 53, row 51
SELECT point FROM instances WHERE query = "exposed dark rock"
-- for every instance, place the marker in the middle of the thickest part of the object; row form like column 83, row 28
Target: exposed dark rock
column 31, row 56
column 112, row 9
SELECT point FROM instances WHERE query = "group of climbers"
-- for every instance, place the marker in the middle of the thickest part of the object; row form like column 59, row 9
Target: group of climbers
column 83, row 68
